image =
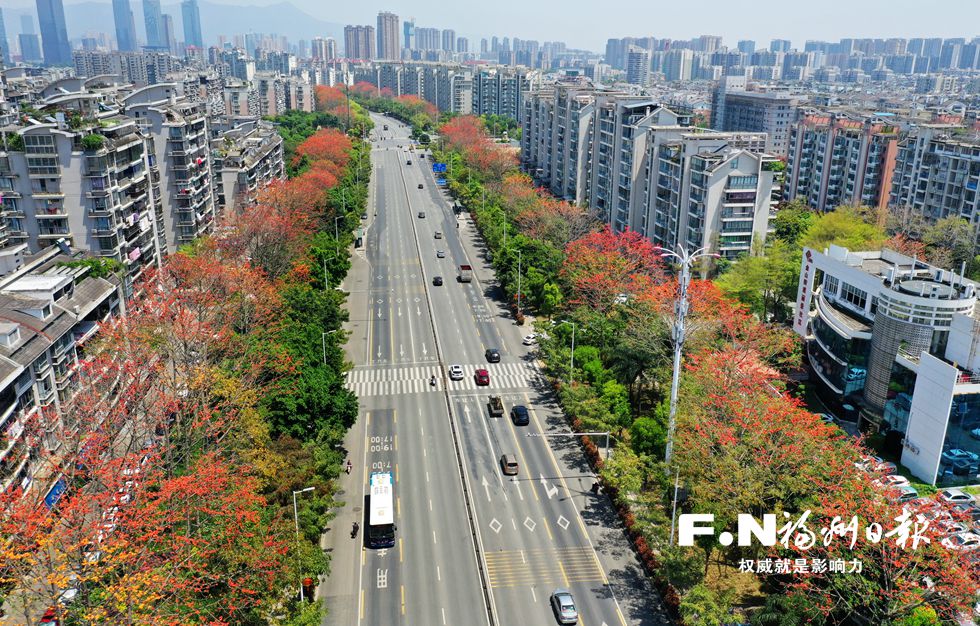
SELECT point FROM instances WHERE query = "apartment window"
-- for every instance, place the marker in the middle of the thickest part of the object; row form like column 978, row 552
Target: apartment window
column 853, row 296
column 830, row 285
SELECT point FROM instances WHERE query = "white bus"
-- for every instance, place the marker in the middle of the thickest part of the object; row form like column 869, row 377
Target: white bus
column 381, row 512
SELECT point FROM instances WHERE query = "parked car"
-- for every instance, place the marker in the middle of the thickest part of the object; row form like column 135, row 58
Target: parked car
column 968, row 510
column 827, row 418
column 906, row 493
column 962, row 541
column 530, row 340
column 892, row 480
column 955, row 496
column 975, row 433
column 957, row 454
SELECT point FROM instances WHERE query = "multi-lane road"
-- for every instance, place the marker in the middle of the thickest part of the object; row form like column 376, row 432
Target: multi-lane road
column 472, row 546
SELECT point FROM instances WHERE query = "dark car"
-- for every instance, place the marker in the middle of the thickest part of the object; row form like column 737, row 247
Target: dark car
column 421, row 214
column 971, row 510
column 493, row 355
column 437, row 281
column 482, row 378
column 420, row 185
column 409, row 162
column 520, row 416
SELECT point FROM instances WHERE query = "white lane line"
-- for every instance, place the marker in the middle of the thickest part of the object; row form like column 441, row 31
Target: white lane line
column 513, row 523
column 534, row 596
column 430, row 504
column 427, row 476
column 438, row 573
column 443, row 617
column 434, row 537
column 523, row 560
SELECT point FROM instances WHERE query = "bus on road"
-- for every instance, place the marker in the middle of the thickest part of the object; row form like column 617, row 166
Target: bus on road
column 381, row 511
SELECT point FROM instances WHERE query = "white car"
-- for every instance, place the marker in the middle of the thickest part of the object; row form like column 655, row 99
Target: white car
column 455, row 372
column 892, row 481
column 962, row 541
column 440, row 254
column 975, row 433
column 956, row 454
column 955, row 496
column 530, row 340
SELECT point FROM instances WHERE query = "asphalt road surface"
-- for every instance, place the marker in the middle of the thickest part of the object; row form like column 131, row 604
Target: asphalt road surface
column 471, row 544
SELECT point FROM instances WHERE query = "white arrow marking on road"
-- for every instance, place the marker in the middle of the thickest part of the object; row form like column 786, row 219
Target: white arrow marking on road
column 486, row 487
column 379, row 313
column 418, row 311
column 399, row 311
column 551, row 491
column 424, row 351
column 466, row 410
column 379, row 352
column 401, row 352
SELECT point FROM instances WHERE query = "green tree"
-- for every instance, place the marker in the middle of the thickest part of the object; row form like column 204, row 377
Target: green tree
column 703, row 606
column 950, row 242
column 921, row 616
column 792, row 221
column 648, row 436
column 786, row 610
column 765, row 283
column 551, row 298
column 847, row 227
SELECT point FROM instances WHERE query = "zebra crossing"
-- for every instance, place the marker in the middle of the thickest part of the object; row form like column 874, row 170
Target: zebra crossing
column 374, row 380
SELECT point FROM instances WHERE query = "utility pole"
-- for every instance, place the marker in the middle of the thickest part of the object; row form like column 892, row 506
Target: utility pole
column 519, row 252
column 686, row 260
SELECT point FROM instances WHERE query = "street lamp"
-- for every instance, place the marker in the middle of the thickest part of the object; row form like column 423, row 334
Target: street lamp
column 686, row 260
column 336, row 229
column 296, row 522
column 519, row 281
column 571, row 367
column 323, row 340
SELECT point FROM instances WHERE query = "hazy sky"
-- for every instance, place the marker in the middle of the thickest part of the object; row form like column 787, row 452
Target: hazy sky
column 589, row 24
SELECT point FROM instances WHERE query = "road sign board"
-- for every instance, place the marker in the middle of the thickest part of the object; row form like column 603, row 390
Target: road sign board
column 438, row 167
column 441, row 181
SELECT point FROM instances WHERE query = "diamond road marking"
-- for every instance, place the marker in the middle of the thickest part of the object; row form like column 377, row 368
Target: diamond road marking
column 495, row 526
column 563, row 522
column 529, row 524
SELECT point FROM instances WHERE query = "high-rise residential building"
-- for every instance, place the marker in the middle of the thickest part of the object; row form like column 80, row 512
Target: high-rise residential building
column 707, row 43
column 27, row 24
column 841, row 158
column 937, row 172
column 408, row 34
column 332, row 52
column 4, row 45
column 428, row 38
column 318, row 49
column 678, row 64
column 449, row 40
column 30, row 48
column 191, row 14
column 462, row 45
column 388, row 48
column 484, row 46
column 153, row 20
column 780, row 45
column 251, row 159
column 746, row 46
column 54, row 33
column 892, row 342
column 638, row 67
column 359, row 42
column 499, row 91
column 180, row 153
column 169, row 34
column 733, row 108
column 122, row 16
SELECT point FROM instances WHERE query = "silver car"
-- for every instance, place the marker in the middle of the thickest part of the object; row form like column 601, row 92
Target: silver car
column 455, row 372
column 563, row 605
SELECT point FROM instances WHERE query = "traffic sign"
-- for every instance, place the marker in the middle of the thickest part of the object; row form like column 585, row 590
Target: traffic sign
column 439, row 168
column 441, row 181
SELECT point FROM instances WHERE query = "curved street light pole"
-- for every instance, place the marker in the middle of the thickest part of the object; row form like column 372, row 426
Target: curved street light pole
column 296, row 522
column 686, row 260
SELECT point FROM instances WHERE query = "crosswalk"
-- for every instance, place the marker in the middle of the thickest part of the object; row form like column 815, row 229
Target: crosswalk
column 374, row 380
column 548, row 566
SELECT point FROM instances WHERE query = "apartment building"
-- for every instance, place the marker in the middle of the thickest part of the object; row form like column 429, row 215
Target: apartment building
column 500, row 91
column 48, row 314
column 388, row 43
column 90, row 186
column 245, row 159
column 937, row 171
column 841, row 158
column 893, row 343
column 448, row 86
column 644, row 167
column 734, row 109
column 555, row 137
column 177, row 131
column 359, row 42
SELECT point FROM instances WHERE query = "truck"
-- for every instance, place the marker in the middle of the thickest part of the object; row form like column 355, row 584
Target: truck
column 495, row 406
column 465, row 273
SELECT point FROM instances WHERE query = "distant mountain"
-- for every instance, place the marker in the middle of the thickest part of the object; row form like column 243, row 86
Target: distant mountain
column 283, row 18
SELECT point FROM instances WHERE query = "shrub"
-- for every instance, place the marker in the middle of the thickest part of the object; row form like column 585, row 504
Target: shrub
column 93, row 142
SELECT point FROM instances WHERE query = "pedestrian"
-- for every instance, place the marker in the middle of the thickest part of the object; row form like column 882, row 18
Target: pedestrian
column 349, row 467
column 595, row 488
column 354, row 529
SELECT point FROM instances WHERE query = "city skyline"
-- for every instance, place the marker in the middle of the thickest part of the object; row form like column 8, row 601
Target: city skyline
column 592, row 28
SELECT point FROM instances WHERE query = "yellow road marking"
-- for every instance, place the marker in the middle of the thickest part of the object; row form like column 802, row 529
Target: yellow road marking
column 361, row 611
column 403, row 599
column 548, row 528
column 401, row 555
column 563, row 575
